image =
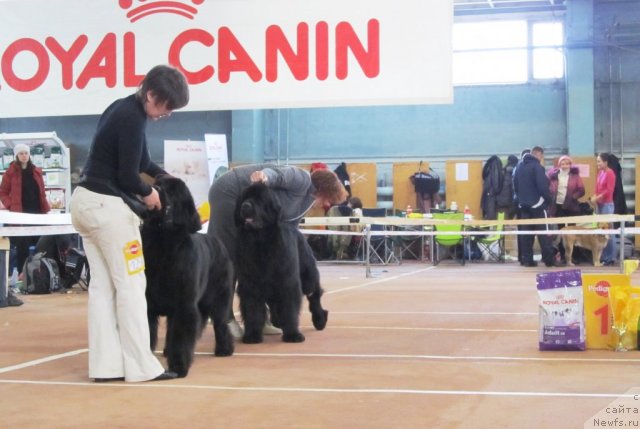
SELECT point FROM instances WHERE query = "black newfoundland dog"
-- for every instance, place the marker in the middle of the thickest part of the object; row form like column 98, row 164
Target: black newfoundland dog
column 275, row 267
column 189, row 277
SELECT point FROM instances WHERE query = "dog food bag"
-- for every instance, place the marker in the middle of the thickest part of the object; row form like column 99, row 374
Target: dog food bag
column 561, row 311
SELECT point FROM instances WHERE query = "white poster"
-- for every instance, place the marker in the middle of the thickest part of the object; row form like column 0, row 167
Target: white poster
column 217, row 157
column 187, row 160
column 74, row 57
column 462, row 171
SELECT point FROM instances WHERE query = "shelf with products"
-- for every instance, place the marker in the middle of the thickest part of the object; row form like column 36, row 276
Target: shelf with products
column 49, row 153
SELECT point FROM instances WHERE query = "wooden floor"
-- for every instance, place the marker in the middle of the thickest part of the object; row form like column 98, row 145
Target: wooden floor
column 414, row 346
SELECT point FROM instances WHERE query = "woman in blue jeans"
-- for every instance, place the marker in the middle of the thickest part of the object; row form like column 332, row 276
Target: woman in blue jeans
column 605, row 185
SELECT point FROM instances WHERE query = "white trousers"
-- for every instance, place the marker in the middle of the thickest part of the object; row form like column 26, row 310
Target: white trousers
column 118, row 326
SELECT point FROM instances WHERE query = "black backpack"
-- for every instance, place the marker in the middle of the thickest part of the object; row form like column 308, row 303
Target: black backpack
column 41, row 275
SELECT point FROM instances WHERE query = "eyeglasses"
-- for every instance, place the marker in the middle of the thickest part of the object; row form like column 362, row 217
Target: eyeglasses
column 157, row 110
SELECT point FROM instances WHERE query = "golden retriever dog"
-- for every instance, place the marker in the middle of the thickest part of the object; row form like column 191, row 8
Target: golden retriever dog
column 593, row 242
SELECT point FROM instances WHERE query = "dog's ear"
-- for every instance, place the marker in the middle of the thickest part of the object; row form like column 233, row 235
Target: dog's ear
column 271, row 205
column 237, row 219
column 183, row 207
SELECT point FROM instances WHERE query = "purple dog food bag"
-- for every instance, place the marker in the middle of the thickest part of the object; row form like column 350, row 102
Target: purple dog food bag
column 561, row 310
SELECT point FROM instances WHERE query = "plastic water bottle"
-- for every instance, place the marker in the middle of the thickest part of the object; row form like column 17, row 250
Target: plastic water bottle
column 13, row 281
column 32, row 250
column 14, row 277
column 409, row 210
column 467, row 212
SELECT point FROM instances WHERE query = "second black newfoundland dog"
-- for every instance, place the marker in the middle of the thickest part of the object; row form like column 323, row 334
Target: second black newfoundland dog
column 275, row 267
column 189, row 277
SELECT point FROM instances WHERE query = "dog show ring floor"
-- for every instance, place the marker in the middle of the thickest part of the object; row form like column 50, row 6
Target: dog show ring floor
column 414, row 346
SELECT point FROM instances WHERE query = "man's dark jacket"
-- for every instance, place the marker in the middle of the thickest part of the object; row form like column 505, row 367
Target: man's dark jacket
column 531, row 182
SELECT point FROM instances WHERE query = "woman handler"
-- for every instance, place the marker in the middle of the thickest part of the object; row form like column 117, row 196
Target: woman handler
column 118, row 325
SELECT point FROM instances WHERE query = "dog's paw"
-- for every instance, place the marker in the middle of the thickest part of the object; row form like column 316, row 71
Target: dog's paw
column 180, row 370
column 320, row 319
column 293, row 337
column 252, row 339
column 222, row 351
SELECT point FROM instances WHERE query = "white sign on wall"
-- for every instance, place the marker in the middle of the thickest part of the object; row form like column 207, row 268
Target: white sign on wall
column 187, row 160
column 71, row 57
column 217, row 157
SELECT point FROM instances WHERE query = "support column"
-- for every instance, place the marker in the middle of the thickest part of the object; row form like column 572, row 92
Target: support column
column 580, row 78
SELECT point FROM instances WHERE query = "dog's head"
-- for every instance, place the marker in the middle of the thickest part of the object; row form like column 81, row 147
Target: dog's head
column 258, row 207
column 603, row 238
column 178, row 210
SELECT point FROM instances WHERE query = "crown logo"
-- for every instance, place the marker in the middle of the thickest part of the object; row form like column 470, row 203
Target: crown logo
column 159, row 6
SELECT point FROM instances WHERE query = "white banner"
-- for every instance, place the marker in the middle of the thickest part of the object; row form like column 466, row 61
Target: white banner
column 74, row 57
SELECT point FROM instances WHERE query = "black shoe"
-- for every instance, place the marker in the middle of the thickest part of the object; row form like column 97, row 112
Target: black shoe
column 13, row 300
column 167, row 375
column 106, row 380
column 553, row 264
column 606, row 264
column 529, row 264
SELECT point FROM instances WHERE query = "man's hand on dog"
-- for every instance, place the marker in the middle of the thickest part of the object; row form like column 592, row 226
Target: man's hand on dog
column 258, row 177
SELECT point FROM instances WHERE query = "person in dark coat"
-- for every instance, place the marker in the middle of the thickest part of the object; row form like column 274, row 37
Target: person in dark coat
column 492, row 178
column 343, row 175
column 516, row 206
column 532, row 188
column 504, row 199
column 619, row 200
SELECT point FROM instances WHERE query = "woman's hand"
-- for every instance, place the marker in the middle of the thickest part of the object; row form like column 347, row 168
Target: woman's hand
column 593, row 199
column 152, row 201
column 258, row 177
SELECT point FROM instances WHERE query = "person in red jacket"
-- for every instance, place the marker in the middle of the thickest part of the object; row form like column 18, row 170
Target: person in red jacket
column 603, row 199
column 22, row 190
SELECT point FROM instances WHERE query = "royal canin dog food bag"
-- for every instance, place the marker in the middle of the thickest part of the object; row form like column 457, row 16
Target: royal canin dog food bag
column 561, row 310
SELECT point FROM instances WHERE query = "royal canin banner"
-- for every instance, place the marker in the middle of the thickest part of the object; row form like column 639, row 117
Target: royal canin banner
column 74, row 57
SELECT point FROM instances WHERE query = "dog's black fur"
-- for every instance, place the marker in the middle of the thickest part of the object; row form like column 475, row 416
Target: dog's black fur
column 189, row 277
column 275, row 267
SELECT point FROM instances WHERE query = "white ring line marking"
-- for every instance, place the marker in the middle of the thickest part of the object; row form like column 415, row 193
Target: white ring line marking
column 374, row 282
column 42, row 360
column 432, row 357
column 327, row 390
column 440, row 313
column 409, row 328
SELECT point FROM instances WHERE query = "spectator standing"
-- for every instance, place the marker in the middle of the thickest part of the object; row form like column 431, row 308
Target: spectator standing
column 566, row 187
column 532, row 188
column 603, row 200
column 22, row 190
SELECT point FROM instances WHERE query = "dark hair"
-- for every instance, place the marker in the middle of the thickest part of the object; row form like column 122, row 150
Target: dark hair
column 328, row 185
column 537, row 149
column 355, row 202
column 167, row 84
column 604, row 157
